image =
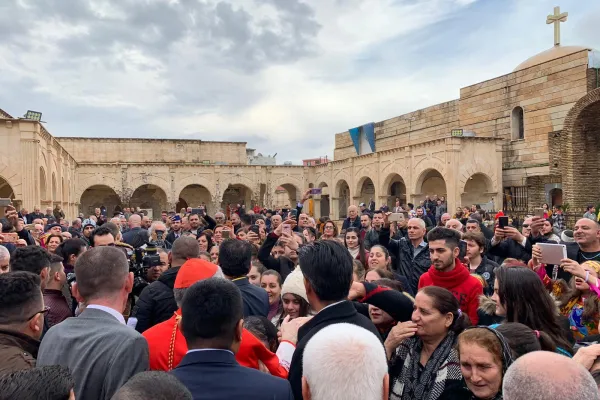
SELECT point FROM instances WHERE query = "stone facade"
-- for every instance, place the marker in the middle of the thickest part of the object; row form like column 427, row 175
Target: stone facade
column 531, row 134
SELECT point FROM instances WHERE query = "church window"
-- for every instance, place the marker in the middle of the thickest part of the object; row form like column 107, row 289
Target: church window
column 518, row 124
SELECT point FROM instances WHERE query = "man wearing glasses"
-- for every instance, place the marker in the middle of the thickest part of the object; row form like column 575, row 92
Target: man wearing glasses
column 21, row 320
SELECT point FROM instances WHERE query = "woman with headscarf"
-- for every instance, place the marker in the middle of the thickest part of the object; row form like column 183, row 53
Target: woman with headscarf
column 484, row 356
column 423, row 359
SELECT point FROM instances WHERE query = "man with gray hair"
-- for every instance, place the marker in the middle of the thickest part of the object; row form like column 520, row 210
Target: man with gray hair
column 412, row 253
column 455, row 225
column 99, row 349
column 543, row 375
column 4, row 260
column 330, row 362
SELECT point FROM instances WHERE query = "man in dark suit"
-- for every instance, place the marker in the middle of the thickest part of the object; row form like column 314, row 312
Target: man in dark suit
column 135, row 236
column 327, row 268
column 212, row 325
column 101, row 352
column 235, row 257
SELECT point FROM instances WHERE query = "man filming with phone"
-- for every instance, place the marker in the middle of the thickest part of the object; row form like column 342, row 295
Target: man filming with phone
column 508, row 242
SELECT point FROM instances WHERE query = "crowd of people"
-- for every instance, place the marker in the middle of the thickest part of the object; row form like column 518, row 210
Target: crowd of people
column 404, row 302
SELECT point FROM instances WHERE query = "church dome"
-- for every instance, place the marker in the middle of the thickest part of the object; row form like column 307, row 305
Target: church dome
column 549, row 55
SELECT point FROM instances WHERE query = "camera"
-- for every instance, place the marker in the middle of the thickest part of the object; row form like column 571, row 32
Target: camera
column 140, row 261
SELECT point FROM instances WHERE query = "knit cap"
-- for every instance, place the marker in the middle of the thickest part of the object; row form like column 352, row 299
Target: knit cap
column 294, row 283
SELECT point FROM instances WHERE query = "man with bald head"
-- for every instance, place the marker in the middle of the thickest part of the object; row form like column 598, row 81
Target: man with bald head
column 543, row 375
column 136, row 236
column 455, row 224
column 412, row 253
column 353, row 220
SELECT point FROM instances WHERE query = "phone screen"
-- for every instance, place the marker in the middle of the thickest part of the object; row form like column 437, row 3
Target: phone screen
column 255, row 229
column 503, row 222
column 287, row 228
column 316, row 191
column 226, row 234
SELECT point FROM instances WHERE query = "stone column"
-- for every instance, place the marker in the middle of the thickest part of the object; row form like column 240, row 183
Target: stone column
column 317, row 207
column 30, row 179
column 334, row 209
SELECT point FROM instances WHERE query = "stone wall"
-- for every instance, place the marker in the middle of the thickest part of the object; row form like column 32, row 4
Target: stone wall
column 107, row 150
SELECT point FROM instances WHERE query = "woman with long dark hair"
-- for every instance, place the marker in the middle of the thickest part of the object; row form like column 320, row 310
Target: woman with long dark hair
column 70, row 250
column 271, row 281
column 520, row 296
column 354, row 244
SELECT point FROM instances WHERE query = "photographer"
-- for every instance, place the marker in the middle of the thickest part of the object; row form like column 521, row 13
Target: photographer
column 150, row 270
column 158, row 234
column 156, row 303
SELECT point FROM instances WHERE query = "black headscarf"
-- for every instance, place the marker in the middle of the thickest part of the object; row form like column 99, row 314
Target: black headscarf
column 507, row 357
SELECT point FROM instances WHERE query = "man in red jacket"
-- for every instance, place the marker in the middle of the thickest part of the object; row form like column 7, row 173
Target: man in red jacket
column 448, row 272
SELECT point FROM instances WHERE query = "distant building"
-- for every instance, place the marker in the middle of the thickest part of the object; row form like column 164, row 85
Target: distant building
column 259, row 159
column 311, row 162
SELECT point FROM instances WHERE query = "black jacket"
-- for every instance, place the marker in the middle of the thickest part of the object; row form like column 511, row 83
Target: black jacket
column 348, row 223
column 283, row 265
column 486, row 271
column 508, row 248
column 170, row 239
column 343, row 312
column 256, row 299
column 411, row 268
column 157, row 302
column 136, row 237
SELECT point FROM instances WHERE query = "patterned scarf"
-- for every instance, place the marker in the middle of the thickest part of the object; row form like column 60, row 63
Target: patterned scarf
column 409, row 382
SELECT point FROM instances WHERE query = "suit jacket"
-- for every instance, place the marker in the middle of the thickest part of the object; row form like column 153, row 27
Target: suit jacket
column 344, row 312
column 215, row 375
column 136, row 237
column 256, row 299
column 101, row 353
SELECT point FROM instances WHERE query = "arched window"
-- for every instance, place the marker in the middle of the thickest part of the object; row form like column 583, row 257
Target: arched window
column 517, row 124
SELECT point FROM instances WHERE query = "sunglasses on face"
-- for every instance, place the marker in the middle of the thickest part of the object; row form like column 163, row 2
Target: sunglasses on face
column 525, row 225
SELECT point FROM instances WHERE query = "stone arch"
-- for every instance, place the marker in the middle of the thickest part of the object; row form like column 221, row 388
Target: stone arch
column 581, row 144
column 237, row 193
column 43, row 186
column 6, row 189
column 194, row 195
column 149, row 196
column 324, row 200
column 140, row 179
column 430, row 180
column 478, row 189
column 12, row 177
column 182, row 183
column 342, row 193
column 291, row 193
column 365, row 190
column 394, row 186
column 517, row 123
column 98, row 196
column 99, row 180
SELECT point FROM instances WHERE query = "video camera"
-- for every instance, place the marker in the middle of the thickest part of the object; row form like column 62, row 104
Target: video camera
column 144, row 258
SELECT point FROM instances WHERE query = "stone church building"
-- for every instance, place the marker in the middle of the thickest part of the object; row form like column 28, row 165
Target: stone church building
column 529, row 137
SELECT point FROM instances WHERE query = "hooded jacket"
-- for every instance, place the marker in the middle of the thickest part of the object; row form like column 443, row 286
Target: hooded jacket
column 157, row 302
column 464, row 287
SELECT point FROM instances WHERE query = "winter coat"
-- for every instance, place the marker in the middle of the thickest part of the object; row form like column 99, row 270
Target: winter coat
column 411, row 268
column 486, row 271
column 17, row 351
column 157, row 302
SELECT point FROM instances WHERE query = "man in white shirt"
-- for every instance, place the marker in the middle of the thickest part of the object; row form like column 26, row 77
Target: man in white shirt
column 99, row 349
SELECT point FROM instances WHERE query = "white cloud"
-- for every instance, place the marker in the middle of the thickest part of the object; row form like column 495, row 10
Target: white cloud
column 281, row 75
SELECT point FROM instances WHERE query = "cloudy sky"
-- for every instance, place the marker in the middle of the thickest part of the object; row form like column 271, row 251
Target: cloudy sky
column 282, row 75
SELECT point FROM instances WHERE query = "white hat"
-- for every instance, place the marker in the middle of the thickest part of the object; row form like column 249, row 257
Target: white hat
column 294, row 283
